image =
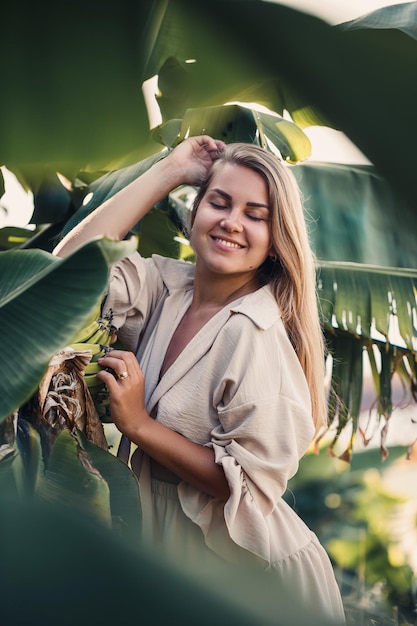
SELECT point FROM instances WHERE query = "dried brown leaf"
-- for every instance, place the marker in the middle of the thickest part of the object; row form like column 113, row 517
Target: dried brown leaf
column 65, row 400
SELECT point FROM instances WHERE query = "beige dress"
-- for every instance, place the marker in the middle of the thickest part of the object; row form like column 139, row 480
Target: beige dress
column 238, row 388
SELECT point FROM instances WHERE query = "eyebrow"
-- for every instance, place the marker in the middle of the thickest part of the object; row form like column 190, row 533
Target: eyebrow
column 229, row 197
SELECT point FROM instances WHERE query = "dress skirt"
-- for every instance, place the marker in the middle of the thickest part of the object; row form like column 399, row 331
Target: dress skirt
column 299, row 588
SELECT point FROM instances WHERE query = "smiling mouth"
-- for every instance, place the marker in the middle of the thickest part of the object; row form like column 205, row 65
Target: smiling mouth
column 228, row 244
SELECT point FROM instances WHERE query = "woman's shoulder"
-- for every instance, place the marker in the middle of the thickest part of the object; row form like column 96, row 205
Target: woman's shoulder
column 260, row 307
column 175, row 273
column 256, row 328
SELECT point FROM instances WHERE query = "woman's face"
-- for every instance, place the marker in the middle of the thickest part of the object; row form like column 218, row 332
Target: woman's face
column 231, row 233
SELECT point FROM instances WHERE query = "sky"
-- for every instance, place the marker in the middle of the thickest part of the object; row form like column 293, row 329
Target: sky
column 337, row 11
column 16, row 206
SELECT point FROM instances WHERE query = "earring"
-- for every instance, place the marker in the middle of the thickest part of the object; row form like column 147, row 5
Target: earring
column 273, row 257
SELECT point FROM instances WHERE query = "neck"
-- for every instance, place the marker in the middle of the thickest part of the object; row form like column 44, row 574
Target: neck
column 218, row 291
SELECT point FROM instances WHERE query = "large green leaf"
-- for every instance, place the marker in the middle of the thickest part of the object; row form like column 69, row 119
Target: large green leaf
column 71, row 480
column 401, row 17
column 193, row 72
column 361, row 81
column 361, row 85
column 78, row 96
column 364, row 299
column 44, row 300
column 354, row 215
column 14, row 237
column 243, row 123
column 110, row 183
column 71, row 570
column 366, row 309
column 124, row 490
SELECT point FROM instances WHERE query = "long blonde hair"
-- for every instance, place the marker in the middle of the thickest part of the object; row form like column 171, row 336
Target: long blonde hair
column 292, row 275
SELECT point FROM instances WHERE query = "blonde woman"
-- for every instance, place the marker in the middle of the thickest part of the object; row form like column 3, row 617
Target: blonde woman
column 221, row 388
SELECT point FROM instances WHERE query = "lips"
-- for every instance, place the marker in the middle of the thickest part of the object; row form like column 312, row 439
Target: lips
column 227, row 243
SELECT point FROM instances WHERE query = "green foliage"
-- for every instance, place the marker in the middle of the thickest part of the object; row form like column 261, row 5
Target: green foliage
column 357, row 514
column 244, row 123
column 354, row 215
column 60, row 567
column 359, row 79
column 44, row 300
column 51, row 299
column 77, row 98
column 71, row 479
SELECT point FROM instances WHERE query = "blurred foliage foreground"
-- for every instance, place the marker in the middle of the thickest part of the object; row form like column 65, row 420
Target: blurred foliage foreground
column 70, row 518
column 365, row 514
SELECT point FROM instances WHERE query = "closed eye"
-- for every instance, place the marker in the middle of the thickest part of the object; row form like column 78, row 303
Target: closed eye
column 216, row 205
column 256, row 218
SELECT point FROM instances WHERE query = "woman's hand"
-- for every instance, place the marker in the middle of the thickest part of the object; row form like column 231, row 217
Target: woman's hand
column 192, row 462
column 125, row 383
column 193, row 158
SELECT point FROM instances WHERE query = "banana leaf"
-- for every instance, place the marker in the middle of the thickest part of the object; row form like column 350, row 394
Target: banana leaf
column 124, row 493
column 74, row 571
column 400, row 17
column 110, row 183
column 193, row 72
column 44, row 301
column 77, row 474
column 14, row 237
column 365, row 308
column 302, row 61
column 244, row 123
column 389, row 294
column 353, row 214
column 358, row 81
column 78, row 97
column 71, row 480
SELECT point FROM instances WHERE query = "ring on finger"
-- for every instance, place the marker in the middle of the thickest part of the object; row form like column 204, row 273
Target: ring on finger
column 123, row 375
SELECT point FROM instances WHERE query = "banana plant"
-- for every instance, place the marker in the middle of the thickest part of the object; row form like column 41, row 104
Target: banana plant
column 358, row 77
column 323, row 76
column 350, row 294
column 360, row 303
column 358, row 80
column 45, row 301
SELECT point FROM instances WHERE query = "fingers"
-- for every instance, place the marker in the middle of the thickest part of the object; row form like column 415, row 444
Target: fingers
column 212, row 146
column 119, row 364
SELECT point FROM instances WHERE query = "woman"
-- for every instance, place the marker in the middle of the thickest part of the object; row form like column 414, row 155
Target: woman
column 230, row 388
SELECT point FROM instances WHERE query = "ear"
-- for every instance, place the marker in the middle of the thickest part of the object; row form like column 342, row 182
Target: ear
column 272, row 254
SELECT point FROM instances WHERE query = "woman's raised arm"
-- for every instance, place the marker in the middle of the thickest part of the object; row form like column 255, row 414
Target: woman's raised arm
column 188, row 163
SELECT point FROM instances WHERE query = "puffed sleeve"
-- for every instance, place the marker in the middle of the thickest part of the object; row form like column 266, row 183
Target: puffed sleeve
column 137, row 289
column 134, row 289
column 265, row 426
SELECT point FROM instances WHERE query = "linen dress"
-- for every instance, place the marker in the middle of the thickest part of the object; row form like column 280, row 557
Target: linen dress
column 238, row 388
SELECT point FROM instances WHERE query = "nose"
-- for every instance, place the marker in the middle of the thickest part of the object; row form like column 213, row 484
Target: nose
column 232, row 222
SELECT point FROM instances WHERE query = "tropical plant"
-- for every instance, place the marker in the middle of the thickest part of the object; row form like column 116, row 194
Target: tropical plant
column 368, row 528
column 192, row 97
column 41, row 454
column 87, row 132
